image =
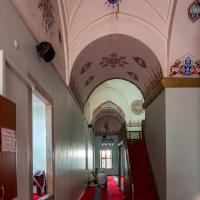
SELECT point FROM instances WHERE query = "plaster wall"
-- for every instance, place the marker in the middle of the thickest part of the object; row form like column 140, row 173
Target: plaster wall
column 182, row 143
column 69, row 127
column 184, row 34
column 155, row 136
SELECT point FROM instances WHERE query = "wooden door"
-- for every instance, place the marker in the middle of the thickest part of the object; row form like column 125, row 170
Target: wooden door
column 8, row 178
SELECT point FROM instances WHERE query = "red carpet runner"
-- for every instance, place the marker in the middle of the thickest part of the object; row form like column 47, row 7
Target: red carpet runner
column 89, row 193
column 112, row 192
column 142, row 176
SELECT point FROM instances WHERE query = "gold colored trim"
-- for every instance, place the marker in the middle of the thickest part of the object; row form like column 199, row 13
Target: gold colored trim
column 171, row 83
column 180, row 82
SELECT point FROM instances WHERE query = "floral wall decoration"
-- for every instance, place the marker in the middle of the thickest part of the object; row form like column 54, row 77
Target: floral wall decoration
column 194, row 11
column 85, row 67
column 89, row 80
column 153, row 81
column 136, row 107
column 133, row 76
column 113, row 61
column 140, row 62
column 186, row 66
column 112, row 3
column 75, row 89
column 109, row 105
column 46, row 8
column 134, row 123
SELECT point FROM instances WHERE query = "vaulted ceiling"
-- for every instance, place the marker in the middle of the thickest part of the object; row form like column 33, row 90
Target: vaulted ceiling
column 114, row 56
column 145, row 38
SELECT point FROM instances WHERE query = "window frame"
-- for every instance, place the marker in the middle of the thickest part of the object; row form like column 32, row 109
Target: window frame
column 106, row 158
column 48, row 101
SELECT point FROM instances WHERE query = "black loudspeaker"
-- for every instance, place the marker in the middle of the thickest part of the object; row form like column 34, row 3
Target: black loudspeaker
column 46, row 51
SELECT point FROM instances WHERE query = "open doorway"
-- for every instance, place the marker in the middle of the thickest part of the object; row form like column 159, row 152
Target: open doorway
column 42, row 148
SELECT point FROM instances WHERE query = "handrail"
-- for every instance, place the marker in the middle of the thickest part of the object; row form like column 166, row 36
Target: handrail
column 124, row 138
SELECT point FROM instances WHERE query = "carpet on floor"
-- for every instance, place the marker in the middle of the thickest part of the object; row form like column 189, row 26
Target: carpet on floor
column 111, row 192
column 36, row 197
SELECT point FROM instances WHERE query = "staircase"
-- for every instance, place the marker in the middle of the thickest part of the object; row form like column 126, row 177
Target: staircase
column 144, row 187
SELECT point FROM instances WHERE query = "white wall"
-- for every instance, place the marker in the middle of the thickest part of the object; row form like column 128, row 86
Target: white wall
column 69, row 126
column 183, row 143
column 155, row 134
column 115, row 155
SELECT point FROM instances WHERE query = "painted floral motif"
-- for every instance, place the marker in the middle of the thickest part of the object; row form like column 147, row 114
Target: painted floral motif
column 186, row 66
column 85, row 67
column 46, row 8
column 136, row 107
column 133, row 76
column 109, row 105
column 194, row 11
column 112, row 3
column 153, row 81
column 113, row 61
column 75, row 89
column 89, row 81
column 140, row 62
column 134, row 123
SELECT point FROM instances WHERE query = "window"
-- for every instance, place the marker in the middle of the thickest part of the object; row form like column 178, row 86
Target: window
column 42, row 146
column 106, row 158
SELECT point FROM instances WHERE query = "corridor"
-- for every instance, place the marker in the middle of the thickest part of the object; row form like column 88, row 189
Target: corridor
column 99, row 84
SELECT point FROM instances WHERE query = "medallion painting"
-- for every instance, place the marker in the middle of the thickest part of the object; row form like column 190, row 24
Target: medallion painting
column 194, row 11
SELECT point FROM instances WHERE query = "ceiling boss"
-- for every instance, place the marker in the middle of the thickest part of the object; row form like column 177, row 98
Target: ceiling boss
column 114, row 4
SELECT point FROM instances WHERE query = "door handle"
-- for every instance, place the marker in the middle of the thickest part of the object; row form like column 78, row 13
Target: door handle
column 3, row 192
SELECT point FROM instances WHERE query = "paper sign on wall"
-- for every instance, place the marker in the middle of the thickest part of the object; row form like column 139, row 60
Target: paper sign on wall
column 8, row 140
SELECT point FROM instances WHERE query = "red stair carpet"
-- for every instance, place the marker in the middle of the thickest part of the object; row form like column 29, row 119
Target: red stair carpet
column 142, row 177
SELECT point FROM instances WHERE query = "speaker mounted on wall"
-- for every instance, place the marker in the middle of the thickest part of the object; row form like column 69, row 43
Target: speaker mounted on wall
column 46, row 51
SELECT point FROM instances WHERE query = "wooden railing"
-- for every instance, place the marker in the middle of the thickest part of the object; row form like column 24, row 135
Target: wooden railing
column 129, row 186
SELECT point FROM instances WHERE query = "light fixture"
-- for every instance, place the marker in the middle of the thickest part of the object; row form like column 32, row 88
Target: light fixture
column 107, row 139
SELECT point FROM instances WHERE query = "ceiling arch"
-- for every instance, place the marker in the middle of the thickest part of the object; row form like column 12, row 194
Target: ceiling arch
column 111, row 121
column 114, row 56
column 116, row 97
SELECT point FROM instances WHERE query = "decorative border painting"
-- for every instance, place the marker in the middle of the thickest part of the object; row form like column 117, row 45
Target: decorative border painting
column 186, row 66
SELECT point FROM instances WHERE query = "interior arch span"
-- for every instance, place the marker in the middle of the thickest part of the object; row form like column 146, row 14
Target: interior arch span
column 114, row 56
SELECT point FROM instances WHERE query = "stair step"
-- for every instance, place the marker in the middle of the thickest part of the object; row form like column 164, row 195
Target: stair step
column 144, row 188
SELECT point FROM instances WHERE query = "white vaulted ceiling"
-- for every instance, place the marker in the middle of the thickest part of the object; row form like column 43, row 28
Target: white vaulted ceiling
column 82, row 22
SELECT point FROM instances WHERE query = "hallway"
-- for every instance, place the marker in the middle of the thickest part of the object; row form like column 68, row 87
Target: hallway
column 106, row 84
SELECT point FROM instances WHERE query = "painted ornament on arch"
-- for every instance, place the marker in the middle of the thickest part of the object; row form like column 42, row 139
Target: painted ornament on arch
column 133, row 76
column 140, row 62
column 112, row 3
column 194, row 11
column 136, row 107
column 89, row 80
column 187, row 66
column 113, row 61
column 85, row 67
column 46, row 8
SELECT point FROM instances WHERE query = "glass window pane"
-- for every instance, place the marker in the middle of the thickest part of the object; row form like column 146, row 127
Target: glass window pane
column 109, row 163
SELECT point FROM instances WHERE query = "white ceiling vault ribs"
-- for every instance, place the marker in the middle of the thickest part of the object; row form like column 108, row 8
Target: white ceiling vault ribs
column 162, row 8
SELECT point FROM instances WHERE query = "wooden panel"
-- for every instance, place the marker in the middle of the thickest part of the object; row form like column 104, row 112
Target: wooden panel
column 8, row 178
